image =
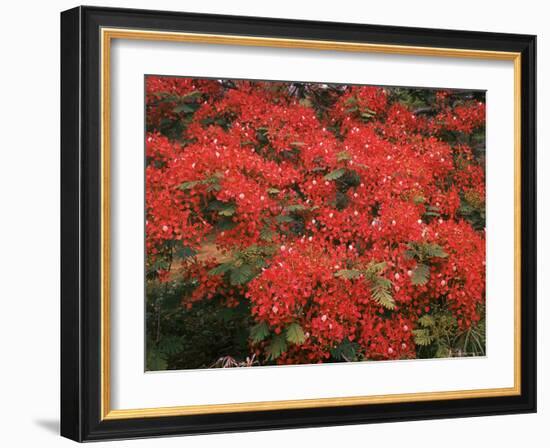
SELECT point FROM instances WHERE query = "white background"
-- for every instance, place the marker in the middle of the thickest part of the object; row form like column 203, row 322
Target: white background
column 29, row 228
column 133, row 388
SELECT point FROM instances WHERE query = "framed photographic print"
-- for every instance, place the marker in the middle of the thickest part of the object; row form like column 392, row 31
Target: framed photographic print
column 275, row 224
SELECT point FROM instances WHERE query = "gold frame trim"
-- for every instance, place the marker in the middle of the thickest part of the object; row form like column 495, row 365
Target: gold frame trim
column 107, row 35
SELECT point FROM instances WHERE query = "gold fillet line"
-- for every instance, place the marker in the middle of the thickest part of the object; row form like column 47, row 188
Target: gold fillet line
column 517, row 222
column 107, row 34
column 105, row 225
column 221, row 39
column 306, row 403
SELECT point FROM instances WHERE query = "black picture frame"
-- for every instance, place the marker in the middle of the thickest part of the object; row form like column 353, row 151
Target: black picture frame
column 81, row 224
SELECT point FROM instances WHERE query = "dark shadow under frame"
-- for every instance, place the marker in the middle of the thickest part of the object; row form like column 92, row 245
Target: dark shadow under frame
column 81, row 224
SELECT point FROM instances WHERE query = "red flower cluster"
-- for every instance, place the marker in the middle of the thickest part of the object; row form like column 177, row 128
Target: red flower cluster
column 340, row 226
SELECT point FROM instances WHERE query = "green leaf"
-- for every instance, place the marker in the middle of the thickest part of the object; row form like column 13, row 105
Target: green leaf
column 432, row 214
column 216, row 205
column 188, row 185
column 295, row 207
column 426, row 321
column 170, row 345
column 184, row 252
column 348, row 273
column 345, row 351
column 156, row 360
column 336, row 174
column 240, row 275
column 318, row 169
column 284, row 218
column 186, row 108
column 411, row 254
column 422, row 251
column 422, row 337
column 213, row 181
column 259, row 332
column 295, row 334
column 435, row 250
column 170, row 302
column 277, row 347
column 375, row 268
column 421, row 274
column 228, row 211
column 273, row 190
column 382, row 295
column 221, row 269
column 266, row 234
column 225, row 224
column 367, row 115
column 192, row 95
column 226, row 314
column 442, row 352
column 343, row 155
column 223, row 208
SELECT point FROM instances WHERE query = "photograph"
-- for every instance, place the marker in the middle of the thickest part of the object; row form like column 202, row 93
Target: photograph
column 302, row 222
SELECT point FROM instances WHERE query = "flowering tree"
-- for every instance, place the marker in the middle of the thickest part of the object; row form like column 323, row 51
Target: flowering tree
column 325, row 222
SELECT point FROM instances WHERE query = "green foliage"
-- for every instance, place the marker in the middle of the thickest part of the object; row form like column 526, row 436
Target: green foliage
column 184, row 107
column 244, row 265
column 473, row 211
column 184, row 251
column 434, row 332
column 225, row 224
column 419, row 200
column 424, row 251
column 285, row 218
column 421, row 274
column 471, row 342
column 295, row 208
column 346, row 351
column 277, row 347
column 438, row 335
column 213, row 182
column 223, row 208
column 266, row 234
column 239, row 275
column 259, row 332
column 381, row 293
column 414, row 99
column 431, row 213
column 189, row 185
column 221, row 269
column 380, row 286
column 365, row 114
column 336, row 174
column 295, row 334
column 426, row 321
column 342, row 156
column 349, row 273
column 156, row 360
column 181, row 338
column 423, row 337
column 227, row 211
